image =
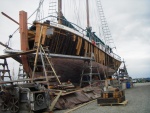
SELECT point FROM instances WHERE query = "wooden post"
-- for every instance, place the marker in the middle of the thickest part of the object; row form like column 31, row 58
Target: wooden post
column 24, row 39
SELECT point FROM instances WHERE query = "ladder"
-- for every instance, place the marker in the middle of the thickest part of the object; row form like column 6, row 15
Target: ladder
column 52, row 10
column 21, row 72
column 105, row 29
column 88, row 75
column 4, row 72
column 47, row 67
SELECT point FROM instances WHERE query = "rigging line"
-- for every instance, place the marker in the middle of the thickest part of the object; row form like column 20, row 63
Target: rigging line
column 64, row 7
column 103, row 34
column 42, row 13
column 64, row 20
column 97, row 22
column 85, row 12
column 75, row 11
column 27, row 19
column 35, row 11
column 78, row 14
column 18, row 27
column 75, row 6
column 38, row 9
column 52, row 9
column 8, row 41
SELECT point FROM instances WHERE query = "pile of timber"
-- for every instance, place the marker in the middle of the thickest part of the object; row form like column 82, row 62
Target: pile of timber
column 111, row 97
column 71, row 99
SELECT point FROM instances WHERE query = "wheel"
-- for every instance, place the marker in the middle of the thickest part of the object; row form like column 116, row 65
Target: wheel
column 14, row 105
column 40, row 99
column 4, row 106
column 5, row 100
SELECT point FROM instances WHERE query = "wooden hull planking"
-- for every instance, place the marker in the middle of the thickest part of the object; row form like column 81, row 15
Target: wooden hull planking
column 61, row 41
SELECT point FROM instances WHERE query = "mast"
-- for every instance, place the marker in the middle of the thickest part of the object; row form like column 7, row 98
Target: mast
column 87, row 12
column 59, row 11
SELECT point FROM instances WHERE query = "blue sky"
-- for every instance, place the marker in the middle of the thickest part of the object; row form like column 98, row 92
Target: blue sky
column 128, row 21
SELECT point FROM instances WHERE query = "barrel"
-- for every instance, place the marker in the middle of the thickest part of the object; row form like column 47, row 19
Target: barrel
column 128, row 85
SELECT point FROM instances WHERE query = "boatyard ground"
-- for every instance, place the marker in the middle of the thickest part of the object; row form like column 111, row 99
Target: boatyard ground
column 138, row 102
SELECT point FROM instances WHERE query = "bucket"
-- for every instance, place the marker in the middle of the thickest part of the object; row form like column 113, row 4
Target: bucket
column 123, row 86
column 128, row 85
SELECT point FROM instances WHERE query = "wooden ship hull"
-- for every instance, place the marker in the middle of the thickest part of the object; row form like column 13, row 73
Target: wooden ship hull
column 68, row 48
column 54, row 57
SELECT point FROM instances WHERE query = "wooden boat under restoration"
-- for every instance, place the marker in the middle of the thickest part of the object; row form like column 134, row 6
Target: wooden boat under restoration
column 56, row 57
column 68, row 46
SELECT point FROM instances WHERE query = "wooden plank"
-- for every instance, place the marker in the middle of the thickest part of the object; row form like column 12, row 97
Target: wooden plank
column 89, row 49
column 113, row 94
column 96, row 54
column 38, row 29
column 67, row 93
column 103, row 58
column 44, row 34
column 71, row 110
column 57, row 44
column 22, row 80
column 99, row 54
column 17, row 54
column 54, row 101
column 113, row 104
column 79, row 45
column 106, row 100
column 30, row 34
column 60, row 32
column 86, row 48
column 24, row 40
column 94, row 49
column 74, row 38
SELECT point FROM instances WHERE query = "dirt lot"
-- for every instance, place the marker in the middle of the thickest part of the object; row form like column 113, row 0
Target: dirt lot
column 138, row 102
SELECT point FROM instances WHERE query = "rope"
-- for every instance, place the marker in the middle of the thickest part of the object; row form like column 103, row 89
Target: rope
column 10, row 36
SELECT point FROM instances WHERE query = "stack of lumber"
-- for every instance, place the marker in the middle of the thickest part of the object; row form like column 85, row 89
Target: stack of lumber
column 109, row 97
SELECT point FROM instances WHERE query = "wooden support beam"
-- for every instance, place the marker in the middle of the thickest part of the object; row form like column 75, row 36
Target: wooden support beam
column 55, row 101
column 5, row 45
column 44, row 34
column 96, row 54
column 104, row 58
column 99, row 54
column 60, row 33
column 74, row 37
column 89, row 49
column 78, row 46
column 23, row 30
column 31, row 34
column 38, row 29
column 78, row 43
column 71, row 110
column 17, row 54
column 24, row 40
column 86, row 48
column 10, row 18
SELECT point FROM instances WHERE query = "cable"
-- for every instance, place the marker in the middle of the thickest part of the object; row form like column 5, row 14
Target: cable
column 10, row 36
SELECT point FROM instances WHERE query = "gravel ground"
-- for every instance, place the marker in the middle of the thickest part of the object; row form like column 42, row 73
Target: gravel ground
column 138, row 102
